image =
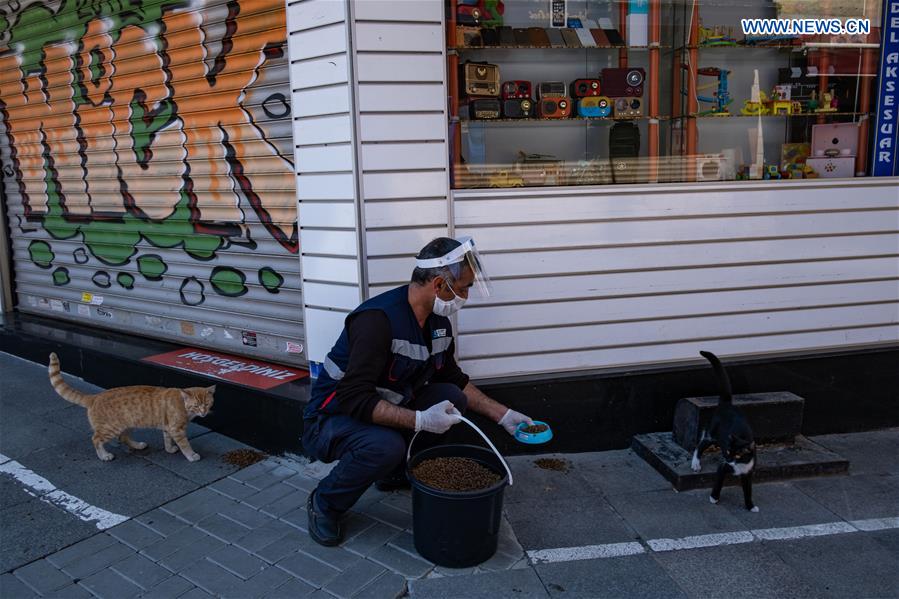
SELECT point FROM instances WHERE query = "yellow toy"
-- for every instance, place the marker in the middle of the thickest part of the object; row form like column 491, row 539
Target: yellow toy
column 782, row 107
column 797, row 107
column 760, row 108
column 827, row 103
column 505, row 179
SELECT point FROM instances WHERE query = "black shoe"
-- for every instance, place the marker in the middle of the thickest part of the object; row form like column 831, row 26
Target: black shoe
column 323, row 529
column 393, row 483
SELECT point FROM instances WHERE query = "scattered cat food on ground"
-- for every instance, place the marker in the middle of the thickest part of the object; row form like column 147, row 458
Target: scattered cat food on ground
column 553, row 464
column 535, row 428
column 243, row 457
column 455, row 474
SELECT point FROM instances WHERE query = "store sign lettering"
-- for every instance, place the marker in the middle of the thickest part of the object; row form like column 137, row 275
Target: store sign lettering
column 244, row 371
column 887, row 131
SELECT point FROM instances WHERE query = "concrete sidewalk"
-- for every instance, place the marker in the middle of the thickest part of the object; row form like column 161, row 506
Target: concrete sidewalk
column 622, row 530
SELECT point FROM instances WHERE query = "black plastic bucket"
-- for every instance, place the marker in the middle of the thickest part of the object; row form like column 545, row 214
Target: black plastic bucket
column 457, row 529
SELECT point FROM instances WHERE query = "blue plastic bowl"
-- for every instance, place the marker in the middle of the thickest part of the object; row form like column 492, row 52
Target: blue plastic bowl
column 533, row 438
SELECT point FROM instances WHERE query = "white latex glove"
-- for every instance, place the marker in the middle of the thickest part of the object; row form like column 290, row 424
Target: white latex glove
column 511, row 419
column 438, row 418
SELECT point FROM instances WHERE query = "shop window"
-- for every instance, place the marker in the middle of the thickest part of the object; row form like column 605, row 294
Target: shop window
column 594, row 92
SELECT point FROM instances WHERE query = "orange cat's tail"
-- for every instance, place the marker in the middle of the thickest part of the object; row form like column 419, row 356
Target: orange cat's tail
column 60, row 386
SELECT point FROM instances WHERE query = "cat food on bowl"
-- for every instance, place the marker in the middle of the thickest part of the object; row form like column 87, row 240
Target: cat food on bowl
column 536, row 433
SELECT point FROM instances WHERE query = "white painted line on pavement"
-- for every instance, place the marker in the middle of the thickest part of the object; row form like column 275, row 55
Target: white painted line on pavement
column 801, row 532
column 43, row 489
column 695, row 542
column 876, row 524
column 569, row 554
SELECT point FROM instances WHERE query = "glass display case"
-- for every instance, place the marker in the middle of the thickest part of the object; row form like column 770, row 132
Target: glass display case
column 593, row 92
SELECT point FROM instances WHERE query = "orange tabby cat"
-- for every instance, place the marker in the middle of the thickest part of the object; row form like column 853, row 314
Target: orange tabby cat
column 114, row 411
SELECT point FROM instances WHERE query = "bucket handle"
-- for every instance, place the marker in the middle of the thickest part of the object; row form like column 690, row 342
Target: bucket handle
column 478, row 431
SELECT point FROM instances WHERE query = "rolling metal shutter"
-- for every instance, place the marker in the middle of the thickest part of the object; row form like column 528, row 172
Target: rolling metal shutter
column 147, row 167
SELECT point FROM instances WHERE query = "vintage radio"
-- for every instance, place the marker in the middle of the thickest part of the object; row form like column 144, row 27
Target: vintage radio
column 627, row 108
column 468, row 15
column 468, row 37
column 484, row 109
column 581, row 88
column 626, row 82
column 594, row 107
column 552, row 89
column 518, row 108
column 554, row 107
column 624, row 148
column 516, row 90
column 834, row 147
column 481, row 79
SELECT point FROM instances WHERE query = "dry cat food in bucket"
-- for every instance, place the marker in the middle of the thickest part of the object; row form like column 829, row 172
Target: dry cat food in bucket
column 455, row 474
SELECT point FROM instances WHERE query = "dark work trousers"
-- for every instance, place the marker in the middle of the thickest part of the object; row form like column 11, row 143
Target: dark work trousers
column 367, row 452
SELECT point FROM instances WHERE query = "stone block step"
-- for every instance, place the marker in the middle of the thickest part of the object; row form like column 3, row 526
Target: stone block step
column 774, row 417
column 780, row 461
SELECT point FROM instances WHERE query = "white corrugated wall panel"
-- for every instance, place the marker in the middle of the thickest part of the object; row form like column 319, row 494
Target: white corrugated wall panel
column 150, row 183
column 584, row 279
column 324, row 134
column 401, row 61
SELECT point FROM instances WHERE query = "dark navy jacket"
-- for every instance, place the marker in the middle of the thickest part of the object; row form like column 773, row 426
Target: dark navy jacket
column 417, row 354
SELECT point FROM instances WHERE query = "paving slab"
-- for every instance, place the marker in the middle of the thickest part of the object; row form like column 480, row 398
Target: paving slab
column 616, row 472
column 876, row 455
column 12, row 492
column 34, row 529
column 512, row 583
column 22, row 433
column 10, row 586
column 667, row 514
column 42, row 577
column 211, row 467
column 387, row 586
column 567, row 522
column 855, row 497
column 108, row 584
column 847, row 565
column 536, row 483
column 780, row 505
column 632, row 576
column 736, row 571
column 73, row 467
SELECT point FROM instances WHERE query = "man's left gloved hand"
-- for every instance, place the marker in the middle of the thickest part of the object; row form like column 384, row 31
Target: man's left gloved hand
column 511, row 419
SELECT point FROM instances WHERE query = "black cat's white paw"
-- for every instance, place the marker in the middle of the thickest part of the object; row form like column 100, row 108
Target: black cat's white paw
column 695, row 465
column 754, row 509
column 712, row 500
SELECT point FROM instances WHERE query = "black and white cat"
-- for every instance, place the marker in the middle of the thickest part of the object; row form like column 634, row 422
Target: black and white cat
column 730, row 431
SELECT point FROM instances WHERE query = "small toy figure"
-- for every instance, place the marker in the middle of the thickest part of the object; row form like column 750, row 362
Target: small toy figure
column 721, row 97
column 505, row 179
column 771, row 172
column 782, row 107
column 719, row 35
column 828, row 103
column 796, row 107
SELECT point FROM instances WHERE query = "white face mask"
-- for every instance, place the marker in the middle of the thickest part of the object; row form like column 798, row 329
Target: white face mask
column 448, row 308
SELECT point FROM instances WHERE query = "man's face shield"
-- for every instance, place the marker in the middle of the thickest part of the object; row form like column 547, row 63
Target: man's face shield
column 466, row 255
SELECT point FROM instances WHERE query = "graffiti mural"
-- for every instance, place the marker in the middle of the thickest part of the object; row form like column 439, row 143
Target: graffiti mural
column 147, row 144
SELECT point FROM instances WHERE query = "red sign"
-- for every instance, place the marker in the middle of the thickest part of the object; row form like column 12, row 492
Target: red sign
column 237, row 369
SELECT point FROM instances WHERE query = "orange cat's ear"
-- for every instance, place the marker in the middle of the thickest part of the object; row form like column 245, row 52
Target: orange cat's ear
column 184, row 395
column 211, row 389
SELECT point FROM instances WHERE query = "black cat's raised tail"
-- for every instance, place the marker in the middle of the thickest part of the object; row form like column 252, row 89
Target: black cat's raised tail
column 723, row 379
